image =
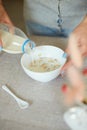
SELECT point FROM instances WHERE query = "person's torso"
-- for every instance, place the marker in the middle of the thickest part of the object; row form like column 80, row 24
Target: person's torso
column 52, row 16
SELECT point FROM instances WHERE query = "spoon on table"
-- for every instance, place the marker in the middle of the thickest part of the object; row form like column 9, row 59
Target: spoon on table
column 22, row 104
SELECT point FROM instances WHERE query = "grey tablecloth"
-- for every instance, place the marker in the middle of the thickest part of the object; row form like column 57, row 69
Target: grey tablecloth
column 47, row 107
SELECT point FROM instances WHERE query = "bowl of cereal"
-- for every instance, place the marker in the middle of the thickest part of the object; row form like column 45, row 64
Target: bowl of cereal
column 43, row 63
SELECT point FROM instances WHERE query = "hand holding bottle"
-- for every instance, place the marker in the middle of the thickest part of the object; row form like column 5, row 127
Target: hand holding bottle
column 4, row 18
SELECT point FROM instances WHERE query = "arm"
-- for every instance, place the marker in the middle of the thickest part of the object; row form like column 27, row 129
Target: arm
column 4, row 18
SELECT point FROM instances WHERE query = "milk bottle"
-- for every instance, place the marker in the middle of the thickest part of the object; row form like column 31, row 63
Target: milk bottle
column 14, row 40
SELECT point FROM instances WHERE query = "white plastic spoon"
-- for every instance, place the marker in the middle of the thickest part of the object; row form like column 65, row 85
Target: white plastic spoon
column 22, row 104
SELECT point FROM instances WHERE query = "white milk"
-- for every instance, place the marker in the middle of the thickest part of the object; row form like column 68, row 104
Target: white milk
column 11, row 42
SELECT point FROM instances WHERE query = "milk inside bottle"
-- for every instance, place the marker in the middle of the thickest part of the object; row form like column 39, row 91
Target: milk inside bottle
column 14, row 40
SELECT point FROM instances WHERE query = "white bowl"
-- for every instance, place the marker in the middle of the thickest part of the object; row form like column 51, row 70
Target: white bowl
column 43, row 51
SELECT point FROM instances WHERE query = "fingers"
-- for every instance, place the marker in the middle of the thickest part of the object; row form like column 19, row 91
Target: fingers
column 74, row 51
column 75, row 92
column 66, row 66
column 72, row 95
column 83, row 48
column 0, row 45
column 0, row 41
column 11, row 28
column 75, row 77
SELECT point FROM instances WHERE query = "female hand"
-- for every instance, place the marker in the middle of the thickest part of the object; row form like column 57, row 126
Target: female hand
column 77, row 45
column 77, row 49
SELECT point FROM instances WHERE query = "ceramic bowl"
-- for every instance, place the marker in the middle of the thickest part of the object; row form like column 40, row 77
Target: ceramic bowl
column 43, row 51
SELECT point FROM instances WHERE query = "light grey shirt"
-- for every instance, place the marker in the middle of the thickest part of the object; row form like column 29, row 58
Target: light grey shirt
column 42, row 16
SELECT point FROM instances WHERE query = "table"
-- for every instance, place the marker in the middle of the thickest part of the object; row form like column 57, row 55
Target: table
column 47, row 107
